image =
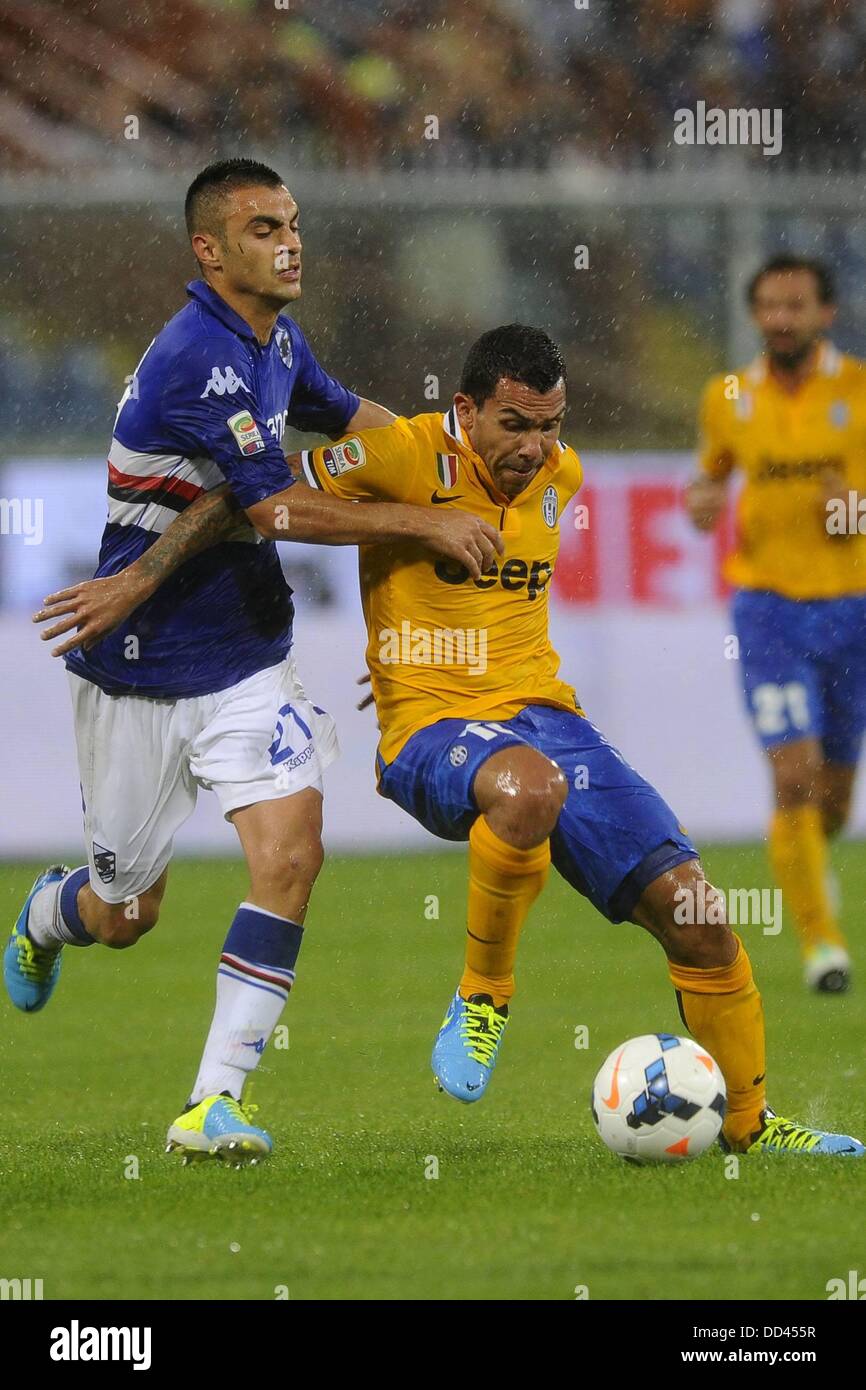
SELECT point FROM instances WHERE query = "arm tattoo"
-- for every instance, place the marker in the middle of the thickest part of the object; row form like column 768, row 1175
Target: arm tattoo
column 207, row 521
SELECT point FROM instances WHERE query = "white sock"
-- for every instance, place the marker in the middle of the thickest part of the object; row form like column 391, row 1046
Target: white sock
column 46, row 926
column 255, row 974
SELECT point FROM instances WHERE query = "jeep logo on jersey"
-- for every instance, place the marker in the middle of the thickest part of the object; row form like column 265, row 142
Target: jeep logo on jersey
column 284, row 347
column 246, row 432
column 104, row 862
column 514, row 576
column 223, row 381
column 550, row 506
column 341, row 458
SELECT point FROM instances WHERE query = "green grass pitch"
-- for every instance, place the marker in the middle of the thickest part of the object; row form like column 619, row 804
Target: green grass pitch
column 527, row 1203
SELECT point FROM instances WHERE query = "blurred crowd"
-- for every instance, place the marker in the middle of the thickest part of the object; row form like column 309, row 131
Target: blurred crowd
column 417, row 83
column 90, row 87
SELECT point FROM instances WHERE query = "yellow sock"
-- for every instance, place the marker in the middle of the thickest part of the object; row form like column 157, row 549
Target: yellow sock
column 798, row 855
column 723, row 1012
column 503, row 884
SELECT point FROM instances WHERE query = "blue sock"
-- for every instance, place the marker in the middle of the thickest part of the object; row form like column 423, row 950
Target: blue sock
column 70, row 918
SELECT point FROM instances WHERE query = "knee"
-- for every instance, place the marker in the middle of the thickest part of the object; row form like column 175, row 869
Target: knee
column 688, row 916
column 285, row 869
column 552, row 795
column 794, row 783
column 529, row 794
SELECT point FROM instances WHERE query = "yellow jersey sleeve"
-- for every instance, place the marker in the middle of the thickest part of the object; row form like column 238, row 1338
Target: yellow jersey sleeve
column 571, row 472
column 716, row 457
column 374, row 465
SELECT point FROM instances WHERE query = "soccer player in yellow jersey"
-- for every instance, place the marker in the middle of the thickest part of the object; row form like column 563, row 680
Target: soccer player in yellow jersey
column 483, row 741
column 793, row 424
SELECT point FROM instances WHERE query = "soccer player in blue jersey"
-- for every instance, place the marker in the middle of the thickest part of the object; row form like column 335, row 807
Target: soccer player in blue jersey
column 198, row 687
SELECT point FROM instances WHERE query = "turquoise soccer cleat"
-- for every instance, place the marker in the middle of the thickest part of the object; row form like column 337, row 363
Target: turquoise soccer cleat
column 779, row 1136
column 219, row 1127
column 466, row 1049
column 29, row 971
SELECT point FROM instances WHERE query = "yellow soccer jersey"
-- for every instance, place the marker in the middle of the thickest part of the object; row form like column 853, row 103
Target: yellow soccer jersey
column 790, row 448
column 441, row 644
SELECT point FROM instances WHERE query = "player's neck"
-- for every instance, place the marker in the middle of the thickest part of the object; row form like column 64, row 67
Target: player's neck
column 260, row 315
column 791, row 376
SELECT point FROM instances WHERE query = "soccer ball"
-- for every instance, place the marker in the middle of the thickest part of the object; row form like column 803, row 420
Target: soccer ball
column 658, row 1098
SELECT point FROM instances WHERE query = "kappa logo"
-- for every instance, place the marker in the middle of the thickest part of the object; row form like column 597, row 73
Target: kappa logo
column 246, row 432
column 223, row 381
column 342, row 458
column 105, row 862
column 458, row 755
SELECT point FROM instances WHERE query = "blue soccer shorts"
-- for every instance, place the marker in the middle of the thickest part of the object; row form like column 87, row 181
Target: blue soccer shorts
column 615, row 833
column 803, row 667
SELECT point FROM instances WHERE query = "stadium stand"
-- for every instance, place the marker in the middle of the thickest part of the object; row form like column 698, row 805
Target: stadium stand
column 513, row 83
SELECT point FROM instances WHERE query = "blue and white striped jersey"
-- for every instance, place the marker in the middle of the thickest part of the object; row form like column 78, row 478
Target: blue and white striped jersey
column 207, row 403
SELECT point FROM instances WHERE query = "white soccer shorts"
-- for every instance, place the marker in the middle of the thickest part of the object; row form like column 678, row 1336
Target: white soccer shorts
column 141, row 762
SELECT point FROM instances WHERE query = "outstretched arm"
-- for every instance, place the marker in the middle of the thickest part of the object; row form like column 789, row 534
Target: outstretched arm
column 96, row 607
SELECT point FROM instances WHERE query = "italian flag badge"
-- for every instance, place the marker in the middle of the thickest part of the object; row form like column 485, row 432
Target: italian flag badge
column 446, row 467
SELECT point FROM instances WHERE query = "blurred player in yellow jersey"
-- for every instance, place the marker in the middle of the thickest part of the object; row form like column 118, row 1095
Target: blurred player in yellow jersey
column 483, row 741
column 793, row 424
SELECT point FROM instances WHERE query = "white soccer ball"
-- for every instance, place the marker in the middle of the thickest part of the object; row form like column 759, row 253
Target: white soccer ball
column 658, row 1098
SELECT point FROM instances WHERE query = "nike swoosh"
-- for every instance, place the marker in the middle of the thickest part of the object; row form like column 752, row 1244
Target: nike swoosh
column 470, row 1087
column 452, row 497
column 612, row 1101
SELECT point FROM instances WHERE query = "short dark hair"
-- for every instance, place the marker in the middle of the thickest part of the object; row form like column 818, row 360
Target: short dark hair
column 781, row 265
column 207, row 190
column 527, row 355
